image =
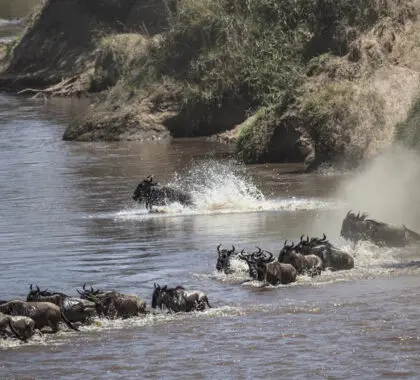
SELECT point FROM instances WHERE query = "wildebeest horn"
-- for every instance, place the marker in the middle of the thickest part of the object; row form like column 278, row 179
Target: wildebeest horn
column 218, row 247
column 324, row 237
column 301, row 238
column 233, row 248
column 307, row 238
column 30, row 287
column 358, row 215
column 348, row 214
column 285, row 242
column 293, row 244
column 84, row 286
column 269, row 258
column 37, row 289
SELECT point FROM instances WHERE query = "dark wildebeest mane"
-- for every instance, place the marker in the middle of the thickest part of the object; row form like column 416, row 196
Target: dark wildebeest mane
column 360, row 227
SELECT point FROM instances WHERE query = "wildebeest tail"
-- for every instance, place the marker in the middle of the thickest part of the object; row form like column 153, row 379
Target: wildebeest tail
column 68, row 323
column 15, row 332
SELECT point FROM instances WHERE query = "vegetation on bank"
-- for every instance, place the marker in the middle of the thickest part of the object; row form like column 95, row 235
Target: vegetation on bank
column 299, row 77
column 292, row 64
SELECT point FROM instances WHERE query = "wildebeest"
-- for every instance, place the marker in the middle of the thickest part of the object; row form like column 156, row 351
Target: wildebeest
column 153, row 194
column 112, row 304
column 332, row 257
column 75, row 309
column 178, row 299
column 44, row 314
column 359, row 227
column 20, row 327
column 304, row 264
column 262, row 267
column 224, row 260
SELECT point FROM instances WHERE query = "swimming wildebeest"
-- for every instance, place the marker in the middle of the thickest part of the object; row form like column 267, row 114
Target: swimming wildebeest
column 358, row 227
column 153, row 194
column 21, row 327
column 178, row 299
column 113, row 304
column 45, row 314
column 332, row 257
column 225, row 257
column 304, row 264
column 263, row 267
column 75, row 309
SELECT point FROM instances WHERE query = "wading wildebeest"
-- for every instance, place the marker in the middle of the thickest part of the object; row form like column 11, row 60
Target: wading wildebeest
column 263, row 267
column 178, row 299
column 224, row 260
column 332, row 257
column 152, row 194
column 113, row 304
column 75, row 309
column 358, row 227
column 45, row 314
column 304, row 264
column 20, row 327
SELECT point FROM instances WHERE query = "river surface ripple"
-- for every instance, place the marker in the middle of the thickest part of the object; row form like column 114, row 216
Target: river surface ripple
column 67, row 218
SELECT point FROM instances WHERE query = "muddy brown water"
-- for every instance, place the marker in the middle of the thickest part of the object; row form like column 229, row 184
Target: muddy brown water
column 67, row 218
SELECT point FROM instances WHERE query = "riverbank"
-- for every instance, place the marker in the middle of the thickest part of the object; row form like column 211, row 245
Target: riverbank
column 299, row 82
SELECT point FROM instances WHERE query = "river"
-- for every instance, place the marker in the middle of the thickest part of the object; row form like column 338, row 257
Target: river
column 67, row 219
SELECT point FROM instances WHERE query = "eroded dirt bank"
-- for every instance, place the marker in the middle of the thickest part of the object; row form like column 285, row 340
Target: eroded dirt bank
column 318, row 82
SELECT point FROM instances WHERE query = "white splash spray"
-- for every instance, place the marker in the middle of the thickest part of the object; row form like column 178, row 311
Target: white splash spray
column 222, row 188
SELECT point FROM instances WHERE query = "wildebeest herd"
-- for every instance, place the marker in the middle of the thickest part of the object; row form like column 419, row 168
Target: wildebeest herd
column 45, row 309
column 310, row 256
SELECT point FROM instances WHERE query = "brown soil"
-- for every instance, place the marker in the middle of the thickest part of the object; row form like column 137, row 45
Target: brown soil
column 60, row 44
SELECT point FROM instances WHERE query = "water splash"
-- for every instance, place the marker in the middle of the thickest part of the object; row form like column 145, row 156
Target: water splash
column 104, row 324
column 221, row 188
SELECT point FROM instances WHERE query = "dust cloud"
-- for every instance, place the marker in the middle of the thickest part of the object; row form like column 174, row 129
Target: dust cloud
column 386, row 187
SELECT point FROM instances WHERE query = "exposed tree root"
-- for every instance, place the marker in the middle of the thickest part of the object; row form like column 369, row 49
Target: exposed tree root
column 67, row 87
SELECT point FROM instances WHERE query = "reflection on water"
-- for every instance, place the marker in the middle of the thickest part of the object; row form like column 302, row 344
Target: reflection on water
column 68, row 218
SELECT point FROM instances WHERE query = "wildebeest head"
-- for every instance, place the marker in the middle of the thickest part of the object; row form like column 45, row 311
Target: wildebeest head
column 351, row 224
column 250, row 260
column 36, row 294
column 157, row 296
column 142, row 191
column 89, row 294
column 256, row 260
column 287, row 248
column 223, row 258
column 33, row 294
column 261, row 259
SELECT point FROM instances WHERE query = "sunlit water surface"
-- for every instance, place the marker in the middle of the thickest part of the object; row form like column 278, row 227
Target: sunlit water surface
column 67, row 219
